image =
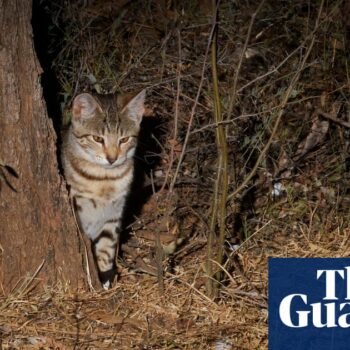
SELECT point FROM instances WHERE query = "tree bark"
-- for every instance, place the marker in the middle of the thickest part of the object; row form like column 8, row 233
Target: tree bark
column 36, row 222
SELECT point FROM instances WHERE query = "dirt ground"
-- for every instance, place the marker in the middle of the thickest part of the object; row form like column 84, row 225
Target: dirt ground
column 283, row 77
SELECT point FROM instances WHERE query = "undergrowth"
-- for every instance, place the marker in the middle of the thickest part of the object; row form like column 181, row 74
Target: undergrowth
column 295, row 203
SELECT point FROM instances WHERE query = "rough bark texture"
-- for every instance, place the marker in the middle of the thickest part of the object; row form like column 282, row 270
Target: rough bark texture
column 36, row 223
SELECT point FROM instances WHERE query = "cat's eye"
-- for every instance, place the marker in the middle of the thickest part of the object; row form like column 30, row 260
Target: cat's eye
column 124, row 140
column 98, row 139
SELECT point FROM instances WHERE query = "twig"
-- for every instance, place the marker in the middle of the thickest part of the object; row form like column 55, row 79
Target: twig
column 192, row 287
column 23, row 289
column 88, row 270
column 188, row 132
column 334, row 119
column 221, row 185
column 176, row 116
column 250, row 115
column 235, row 80
column 159, row 262
column 211, row 286
column 273, row 70
column 283, row 104
column 246, row 241
column 255, row 294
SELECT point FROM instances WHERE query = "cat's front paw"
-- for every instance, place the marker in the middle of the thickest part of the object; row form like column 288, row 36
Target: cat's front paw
column 107, row 278
column 107, row 285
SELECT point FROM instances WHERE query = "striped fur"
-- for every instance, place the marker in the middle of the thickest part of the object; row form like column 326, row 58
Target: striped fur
column 97, row 156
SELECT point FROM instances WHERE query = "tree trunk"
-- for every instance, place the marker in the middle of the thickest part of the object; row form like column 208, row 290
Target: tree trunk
column 36, row 223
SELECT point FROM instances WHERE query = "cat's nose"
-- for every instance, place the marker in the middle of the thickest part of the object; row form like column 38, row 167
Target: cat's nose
column 112, row 158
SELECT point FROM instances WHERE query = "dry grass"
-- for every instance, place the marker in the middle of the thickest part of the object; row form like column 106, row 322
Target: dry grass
column 128, row 45
column 133, row 315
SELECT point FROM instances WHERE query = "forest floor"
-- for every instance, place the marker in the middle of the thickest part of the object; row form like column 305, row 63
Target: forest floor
column 283, row 83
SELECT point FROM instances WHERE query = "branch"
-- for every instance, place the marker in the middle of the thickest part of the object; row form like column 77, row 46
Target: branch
column 334, row 119
column 283, row 104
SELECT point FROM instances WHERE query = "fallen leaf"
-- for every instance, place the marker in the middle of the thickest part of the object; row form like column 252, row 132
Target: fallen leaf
column 317, row 134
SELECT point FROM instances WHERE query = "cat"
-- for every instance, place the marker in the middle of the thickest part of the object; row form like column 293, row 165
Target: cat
column 98, row 161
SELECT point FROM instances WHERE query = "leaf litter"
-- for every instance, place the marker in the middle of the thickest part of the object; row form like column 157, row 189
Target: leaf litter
column 296, row 204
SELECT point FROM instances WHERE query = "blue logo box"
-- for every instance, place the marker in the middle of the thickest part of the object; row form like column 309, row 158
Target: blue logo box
column 309, row 304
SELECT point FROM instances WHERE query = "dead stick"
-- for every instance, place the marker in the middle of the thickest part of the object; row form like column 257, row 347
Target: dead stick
column 189, row 126
column 238, row 69
column 176, row 116
column 281, row 111
column 334, row 119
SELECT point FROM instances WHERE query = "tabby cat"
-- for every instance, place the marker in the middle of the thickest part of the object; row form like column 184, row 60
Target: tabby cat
column 97, row 156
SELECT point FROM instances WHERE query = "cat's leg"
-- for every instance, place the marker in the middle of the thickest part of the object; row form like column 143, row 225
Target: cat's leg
column 105, row 247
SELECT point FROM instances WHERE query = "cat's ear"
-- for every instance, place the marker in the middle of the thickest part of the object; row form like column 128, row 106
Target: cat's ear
column 84, row 106
column 134, row 107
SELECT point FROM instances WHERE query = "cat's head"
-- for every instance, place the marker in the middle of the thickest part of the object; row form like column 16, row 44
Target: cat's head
column 106, row 127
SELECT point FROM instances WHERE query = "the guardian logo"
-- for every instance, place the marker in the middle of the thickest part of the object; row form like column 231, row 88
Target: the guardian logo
column 309, row 304
column 314, row 311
